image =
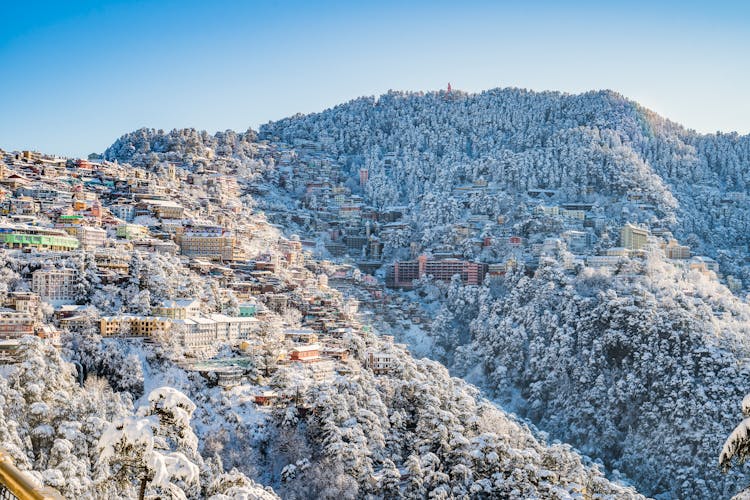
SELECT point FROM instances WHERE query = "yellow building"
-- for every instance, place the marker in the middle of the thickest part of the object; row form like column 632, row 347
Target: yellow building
column 633, row 237
column 674, row 250
column 131, row 231
column 208, row 245
column 133, row 326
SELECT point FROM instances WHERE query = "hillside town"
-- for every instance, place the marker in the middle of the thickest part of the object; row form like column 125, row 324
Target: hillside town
column 78, row 229
column 336, row 211
column 72, row 226
column 273, row 273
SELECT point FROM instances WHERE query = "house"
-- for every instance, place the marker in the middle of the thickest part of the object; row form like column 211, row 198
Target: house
column 305, row 353
column 380, row 362
column 335, row 352
column 301, row 335
column 267, row 398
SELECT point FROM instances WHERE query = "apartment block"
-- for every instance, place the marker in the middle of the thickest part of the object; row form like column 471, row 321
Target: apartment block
column 54, row 285
column 133, row 326
column 91, row 237
column 14, row 324
column 208, row 243
column 403, row 274
column 633, row 237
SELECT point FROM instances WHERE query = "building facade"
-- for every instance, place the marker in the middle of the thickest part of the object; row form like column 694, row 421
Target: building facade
column 54, row 285
column 633, row 237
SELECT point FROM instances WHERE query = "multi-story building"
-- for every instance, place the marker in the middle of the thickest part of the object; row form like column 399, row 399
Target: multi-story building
column 673, row 250
column 14, row 324
column 25, row 302
column 133, row 326
column 24, row 205
column 124, row 211
column 403, row 274
column 54, row 285
column 212, row 243
column 112, row 260
column 573, row 214
column 379, row 362
column 551, row 211
column 163, row 209
column 178, row 309
column 292, row 251
column 301, row 335
column 38, row 238
column 305, row 353
column 578, row 241
column 350, row 211
column 200, row 332
column 248, row 309
column 603, row 260
column 131, row 231
column 633, row 237
column 91, row 237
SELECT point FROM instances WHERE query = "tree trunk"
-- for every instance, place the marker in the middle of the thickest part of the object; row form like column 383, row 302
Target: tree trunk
column 142, row 489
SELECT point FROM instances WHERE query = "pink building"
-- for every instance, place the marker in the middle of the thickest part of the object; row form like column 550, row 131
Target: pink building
column 403, row 274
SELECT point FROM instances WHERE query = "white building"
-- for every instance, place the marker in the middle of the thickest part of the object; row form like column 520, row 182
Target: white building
column 123, row 211
column 380, row 361
column 56, row 286
column 91, row 237
column 603, row 260
column 199, row 332
column 178, row 308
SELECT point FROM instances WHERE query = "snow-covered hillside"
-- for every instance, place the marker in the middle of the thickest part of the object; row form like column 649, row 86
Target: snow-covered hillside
column 638, row 363
column 596, row 146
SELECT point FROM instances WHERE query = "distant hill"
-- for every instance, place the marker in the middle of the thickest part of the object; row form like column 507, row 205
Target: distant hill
column 598, row 145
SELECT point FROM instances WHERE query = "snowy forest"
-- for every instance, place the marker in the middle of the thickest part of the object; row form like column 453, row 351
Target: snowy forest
column 550, row 379
column 596, row 146
column 641, row 366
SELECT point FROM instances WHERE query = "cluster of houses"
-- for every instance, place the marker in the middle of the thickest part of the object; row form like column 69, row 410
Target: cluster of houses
column 104, row 213
column 336, row 214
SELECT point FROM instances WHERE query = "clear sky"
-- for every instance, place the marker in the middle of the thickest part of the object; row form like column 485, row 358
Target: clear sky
column 76, row 75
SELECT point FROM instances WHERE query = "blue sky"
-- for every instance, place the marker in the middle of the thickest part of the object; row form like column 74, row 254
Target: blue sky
column 76, row 75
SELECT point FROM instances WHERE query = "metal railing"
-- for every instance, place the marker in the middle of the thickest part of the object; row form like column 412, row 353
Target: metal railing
column 17, row 485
